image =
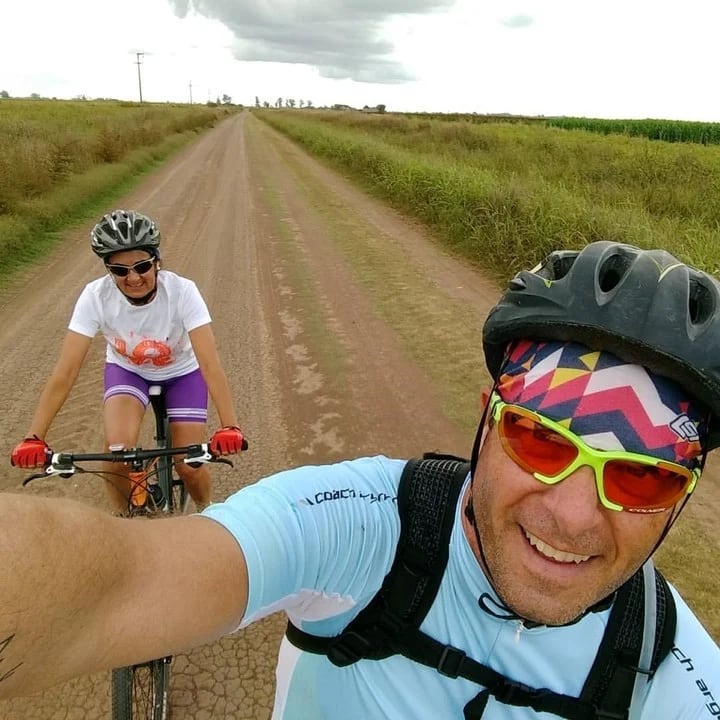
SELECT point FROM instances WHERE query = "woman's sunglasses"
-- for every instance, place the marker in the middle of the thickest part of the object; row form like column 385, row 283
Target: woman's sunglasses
column 625, row 481
column 139, row 268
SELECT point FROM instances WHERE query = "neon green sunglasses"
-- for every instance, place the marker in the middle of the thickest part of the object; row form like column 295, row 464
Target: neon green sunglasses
column 625, row 480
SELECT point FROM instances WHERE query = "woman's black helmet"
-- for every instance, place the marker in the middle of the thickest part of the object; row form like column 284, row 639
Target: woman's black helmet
column 124, row 230
column 645, row 306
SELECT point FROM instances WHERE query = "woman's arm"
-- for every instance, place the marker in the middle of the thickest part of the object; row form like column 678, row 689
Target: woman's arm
column 72, row 355
column 80, row 592
column 203, row 343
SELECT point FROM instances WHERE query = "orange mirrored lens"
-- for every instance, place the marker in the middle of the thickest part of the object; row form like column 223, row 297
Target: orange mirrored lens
column 634, row 485
column 535, row 446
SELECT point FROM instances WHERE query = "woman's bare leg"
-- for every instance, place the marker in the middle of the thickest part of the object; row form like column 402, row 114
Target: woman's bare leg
column 123, row 416
column 197, row 480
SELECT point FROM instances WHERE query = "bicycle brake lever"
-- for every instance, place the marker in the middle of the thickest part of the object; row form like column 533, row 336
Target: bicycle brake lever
column 224, row 460
column 63, row 471
column 198, row 458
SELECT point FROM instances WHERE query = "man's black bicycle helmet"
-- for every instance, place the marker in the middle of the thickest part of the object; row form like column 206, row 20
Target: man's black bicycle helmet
column 645, row 306
column 124, row 230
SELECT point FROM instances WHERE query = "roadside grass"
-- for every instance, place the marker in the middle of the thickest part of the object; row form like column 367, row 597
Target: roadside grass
column 61, row 162
column 688, row 557
column 503, row 195
column 444, row 337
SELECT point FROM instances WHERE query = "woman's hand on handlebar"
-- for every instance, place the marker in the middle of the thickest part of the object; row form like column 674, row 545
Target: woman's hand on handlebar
column 227, row 440
column 32, row 452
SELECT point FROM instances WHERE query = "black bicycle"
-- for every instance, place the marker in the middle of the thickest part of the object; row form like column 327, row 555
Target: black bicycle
column 140, row 692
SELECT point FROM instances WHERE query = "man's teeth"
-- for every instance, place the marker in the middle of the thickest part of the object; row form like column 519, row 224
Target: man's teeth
column 549, row 551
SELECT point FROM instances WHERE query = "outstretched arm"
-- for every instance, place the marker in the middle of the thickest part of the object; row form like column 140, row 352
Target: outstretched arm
column 81, row 591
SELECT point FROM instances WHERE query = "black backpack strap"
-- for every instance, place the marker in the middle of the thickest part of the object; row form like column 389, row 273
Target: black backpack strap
column 454, row 663
column 427, row 501
column 639, row 635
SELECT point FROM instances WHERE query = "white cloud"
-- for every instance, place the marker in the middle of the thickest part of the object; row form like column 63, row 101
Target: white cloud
column 341, row 38
column 603, row 58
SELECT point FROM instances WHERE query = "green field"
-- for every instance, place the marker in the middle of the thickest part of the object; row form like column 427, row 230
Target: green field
column 504, row 194
column 705, row 133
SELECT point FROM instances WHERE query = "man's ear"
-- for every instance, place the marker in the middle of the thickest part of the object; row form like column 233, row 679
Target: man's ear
column 484, row 398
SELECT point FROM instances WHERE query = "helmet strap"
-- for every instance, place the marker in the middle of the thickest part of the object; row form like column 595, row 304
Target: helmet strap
column 144, row 300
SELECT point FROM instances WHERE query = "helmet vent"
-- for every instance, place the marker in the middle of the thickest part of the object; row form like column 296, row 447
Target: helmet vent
column 612, row 271
column 700, row 302
column 558, row 265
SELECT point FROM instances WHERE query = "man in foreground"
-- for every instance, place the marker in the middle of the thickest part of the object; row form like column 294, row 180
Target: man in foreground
column 591, row 440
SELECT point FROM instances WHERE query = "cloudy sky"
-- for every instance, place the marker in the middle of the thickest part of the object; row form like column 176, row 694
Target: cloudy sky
column 593, row 58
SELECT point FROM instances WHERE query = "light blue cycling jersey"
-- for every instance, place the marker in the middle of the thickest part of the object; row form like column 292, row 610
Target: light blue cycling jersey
column 318, row 541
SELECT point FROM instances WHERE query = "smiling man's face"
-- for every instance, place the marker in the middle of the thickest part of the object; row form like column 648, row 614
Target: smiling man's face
column 552, row 546
column 553, row 551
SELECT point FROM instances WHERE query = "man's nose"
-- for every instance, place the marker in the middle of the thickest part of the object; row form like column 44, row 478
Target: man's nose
column 575, row 499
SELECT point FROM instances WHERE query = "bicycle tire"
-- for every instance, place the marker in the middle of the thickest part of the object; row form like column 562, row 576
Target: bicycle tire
column 140, row 692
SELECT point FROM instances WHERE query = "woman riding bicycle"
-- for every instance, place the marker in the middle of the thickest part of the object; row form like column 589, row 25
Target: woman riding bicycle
column 158, row 332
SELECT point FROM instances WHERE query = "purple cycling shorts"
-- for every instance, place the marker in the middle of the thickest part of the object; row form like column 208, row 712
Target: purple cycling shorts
column 186, row 397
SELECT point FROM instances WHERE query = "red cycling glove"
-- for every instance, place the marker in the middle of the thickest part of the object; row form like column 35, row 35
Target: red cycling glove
column 226, row 441
column 30, row 453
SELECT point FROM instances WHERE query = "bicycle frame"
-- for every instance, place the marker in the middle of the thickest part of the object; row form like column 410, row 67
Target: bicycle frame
column 173, row 488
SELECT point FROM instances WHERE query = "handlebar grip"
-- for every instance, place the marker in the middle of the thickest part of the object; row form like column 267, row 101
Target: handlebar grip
column 244, row 445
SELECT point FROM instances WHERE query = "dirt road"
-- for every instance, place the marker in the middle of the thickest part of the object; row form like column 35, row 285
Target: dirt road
column 317, row 366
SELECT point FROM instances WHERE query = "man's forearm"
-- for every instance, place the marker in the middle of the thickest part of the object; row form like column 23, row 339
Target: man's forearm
column 57, row 563
column 79, row 591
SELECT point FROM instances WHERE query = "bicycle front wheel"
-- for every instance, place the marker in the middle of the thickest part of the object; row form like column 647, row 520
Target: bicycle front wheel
column 140, row 692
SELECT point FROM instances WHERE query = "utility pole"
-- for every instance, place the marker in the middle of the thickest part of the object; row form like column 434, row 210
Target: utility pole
column 138, row 62
column 190, row 92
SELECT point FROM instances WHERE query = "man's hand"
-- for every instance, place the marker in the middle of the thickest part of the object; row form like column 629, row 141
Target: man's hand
column 227, row 440
column 32, row 452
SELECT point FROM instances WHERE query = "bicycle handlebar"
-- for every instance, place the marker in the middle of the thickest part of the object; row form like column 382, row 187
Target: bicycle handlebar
column 64, row 463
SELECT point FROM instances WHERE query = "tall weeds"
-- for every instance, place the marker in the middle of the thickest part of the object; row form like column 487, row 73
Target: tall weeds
column 57, row 157
column 504, row 194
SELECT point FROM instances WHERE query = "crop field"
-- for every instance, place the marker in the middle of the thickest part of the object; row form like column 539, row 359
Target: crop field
column 705, row 133
column 504, row 194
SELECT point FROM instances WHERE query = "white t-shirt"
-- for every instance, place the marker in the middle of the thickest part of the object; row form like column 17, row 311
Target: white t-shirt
column 150, row 340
